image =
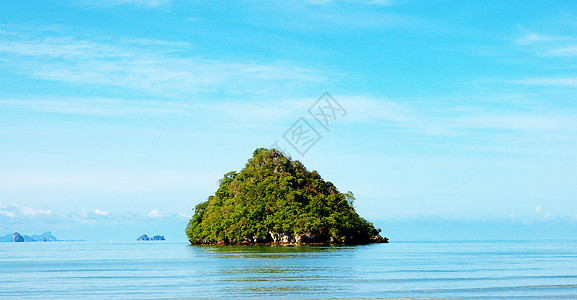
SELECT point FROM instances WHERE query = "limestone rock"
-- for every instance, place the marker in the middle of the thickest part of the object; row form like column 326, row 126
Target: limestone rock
column 143, row 237
column 18, row 238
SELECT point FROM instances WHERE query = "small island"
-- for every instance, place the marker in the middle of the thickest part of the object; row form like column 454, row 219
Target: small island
column 275, row 200
column 19, row 238
column 145, row 237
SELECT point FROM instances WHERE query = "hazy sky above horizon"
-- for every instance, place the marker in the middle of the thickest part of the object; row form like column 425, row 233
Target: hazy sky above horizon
column 129, row 111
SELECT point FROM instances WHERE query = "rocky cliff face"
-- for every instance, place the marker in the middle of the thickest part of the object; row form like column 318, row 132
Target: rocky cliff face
column 285, row 239
column 158, row 238
column 18, row 238
column 143, row 237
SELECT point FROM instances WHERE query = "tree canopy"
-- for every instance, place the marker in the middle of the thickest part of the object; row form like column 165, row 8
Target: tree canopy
column 274, row 195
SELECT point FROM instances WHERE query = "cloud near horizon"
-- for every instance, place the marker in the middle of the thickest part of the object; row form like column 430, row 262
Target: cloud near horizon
column 17, row 211
column 155, row 214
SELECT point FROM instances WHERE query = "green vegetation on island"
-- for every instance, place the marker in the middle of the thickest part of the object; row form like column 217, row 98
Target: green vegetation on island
column 276, row 200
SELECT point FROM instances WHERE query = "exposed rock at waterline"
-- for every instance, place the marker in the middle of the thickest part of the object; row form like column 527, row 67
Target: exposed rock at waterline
column 18, row 238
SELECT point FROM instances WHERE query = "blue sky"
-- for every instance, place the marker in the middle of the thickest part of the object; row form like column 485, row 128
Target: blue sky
column 119, row 114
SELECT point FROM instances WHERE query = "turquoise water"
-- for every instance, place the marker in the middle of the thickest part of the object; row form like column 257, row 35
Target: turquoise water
column 470, row 269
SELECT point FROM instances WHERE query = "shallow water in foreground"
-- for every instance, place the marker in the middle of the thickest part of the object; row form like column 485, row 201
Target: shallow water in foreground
column 471, row 269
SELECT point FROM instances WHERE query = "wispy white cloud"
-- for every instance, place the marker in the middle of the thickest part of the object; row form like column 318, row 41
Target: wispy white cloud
column 101, row 212
column 186, row 216
column 334, row 16
column 540, row 214
column 93, row 224
column 566, row 51
column 15, row 210
column 361, row 2
column 158, row 67
column 99, row 106
column 158, row 3
column 108, row 3
column 555, row 50
column 418, row 116
column 518, row 122
column 460, row 117
column 155, row 214
column 85, row 216
column 532, row 38
column 552, row 81
column 116, row 182
column 7, row 213
column 546, row 45
column 21, row 214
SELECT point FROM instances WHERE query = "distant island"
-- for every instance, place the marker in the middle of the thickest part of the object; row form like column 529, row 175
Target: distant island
column 145, row 237
column 17, row 237
column 275, row 200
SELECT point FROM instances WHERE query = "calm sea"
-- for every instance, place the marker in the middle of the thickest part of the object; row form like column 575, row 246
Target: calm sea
column 445, row 269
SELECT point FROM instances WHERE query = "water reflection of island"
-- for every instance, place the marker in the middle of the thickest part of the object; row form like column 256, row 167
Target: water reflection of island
column 276, row 270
